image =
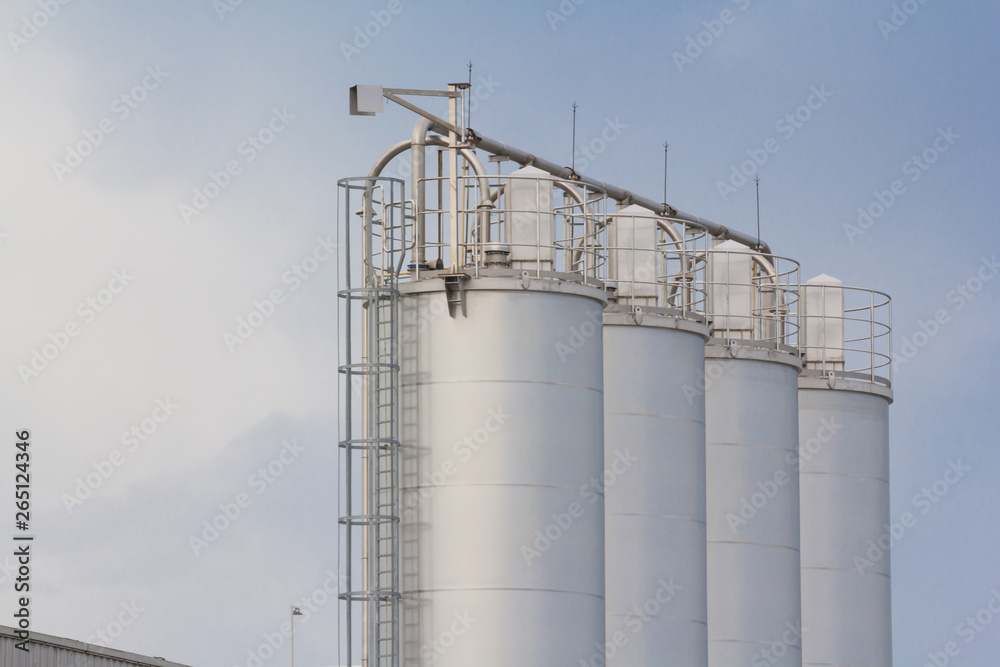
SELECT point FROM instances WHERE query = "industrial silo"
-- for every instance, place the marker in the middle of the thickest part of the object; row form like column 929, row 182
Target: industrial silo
column 654, row 353
column 502, row 528
column 544, row 460
column 751, row 410
column 844, row 397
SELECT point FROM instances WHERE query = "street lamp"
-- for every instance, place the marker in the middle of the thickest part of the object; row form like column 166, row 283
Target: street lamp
column 295, row 612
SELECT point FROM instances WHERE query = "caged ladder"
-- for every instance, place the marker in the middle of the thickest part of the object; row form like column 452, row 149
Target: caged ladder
column 370, row 442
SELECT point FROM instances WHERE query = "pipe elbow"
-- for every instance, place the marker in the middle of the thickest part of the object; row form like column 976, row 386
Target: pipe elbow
column 420, row 130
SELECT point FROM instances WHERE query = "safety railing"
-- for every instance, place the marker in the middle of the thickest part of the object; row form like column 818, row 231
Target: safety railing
column 846, row 331
column 753, row 296
column 542, row 225
column 657, row 262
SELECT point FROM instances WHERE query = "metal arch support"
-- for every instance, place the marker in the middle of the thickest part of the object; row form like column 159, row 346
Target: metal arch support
column 418, row 171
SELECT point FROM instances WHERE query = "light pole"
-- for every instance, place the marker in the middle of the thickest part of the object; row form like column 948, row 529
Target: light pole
column 295, row 612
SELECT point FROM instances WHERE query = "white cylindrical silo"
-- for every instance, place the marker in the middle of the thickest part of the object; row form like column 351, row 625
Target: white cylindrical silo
column 751, row 413
column 503, row 512
column 844, row 478
column 654, row 444
column 502, row 411
column 655, row 510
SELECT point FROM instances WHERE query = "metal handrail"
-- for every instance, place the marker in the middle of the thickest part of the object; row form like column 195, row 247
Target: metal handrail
column 668, row 272
column 866, row 349
column 575, row 248
column 770, row 314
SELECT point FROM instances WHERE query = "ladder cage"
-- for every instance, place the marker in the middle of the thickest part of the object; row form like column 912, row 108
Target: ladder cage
column 375, row 224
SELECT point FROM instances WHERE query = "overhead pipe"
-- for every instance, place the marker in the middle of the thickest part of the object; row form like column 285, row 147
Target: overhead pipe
column 619, row 194
column 418, row 171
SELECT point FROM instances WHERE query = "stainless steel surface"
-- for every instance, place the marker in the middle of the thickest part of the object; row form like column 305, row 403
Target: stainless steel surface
column 844, row 482
column 751, row 416
column 655, row 510
column 503, row 533
column 496, row 254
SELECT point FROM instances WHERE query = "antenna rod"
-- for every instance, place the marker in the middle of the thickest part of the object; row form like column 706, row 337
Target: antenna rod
column 666, row 152
column 468, row 116
column 573, row 156
column 756, row 181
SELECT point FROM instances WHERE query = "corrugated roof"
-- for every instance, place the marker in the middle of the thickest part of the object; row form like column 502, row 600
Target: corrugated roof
column 49, row 651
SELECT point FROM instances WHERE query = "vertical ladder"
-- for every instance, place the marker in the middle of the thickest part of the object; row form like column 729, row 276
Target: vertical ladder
column 383, row 478
column 370, row 298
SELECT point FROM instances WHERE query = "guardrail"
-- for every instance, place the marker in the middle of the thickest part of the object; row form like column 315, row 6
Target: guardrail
column 846, row 331
column 753, row 296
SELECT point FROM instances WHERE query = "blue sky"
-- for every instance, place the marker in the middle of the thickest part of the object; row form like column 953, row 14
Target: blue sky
column 889, row 95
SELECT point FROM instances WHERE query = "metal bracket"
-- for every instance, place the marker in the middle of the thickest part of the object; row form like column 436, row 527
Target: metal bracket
column 831, row 378
column 637, row 314
column 732, row 348
column 454, row 289
column 417, row 110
